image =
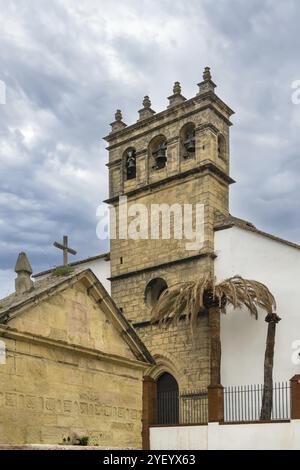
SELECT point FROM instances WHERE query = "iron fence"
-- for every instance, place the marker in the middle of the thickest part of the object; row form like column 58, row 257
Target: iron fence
column 167, row 407
column 185, row 408
column 243, row 403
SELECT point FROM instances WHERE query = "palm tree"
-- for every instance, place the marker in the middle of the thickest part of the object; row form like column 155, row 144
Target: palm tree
column 189, row 299
column 267, row 401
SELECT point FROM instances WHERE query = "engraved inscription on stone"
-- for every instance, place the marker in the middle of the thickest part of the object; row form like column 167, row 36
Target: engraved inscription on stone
column 49, row 405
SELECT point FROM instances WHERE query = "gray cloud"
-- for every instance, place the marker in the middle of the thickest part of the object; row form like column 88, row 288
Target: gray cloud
column 68, row 66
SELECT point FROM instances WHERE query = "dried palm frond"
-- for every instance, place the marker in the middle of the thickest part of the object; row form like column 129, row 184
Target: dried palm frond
column 240, row 292
column 188, row 299
column 181, row 299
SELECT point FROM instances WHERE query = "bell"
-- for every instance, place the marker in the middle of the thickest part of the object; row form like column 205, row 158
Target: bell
column 189, row 144
column 160, row 157
column 131, row 165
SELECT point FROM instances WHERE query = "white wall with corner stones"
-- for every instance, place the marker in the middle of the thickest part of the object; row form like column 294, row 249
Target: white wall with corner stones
column 101, row 269
column 264, row 436
column 243, row 338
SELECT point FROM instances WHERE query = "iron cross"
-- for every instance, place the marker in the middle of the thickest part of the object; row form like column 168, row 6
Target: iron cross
column 65, row 249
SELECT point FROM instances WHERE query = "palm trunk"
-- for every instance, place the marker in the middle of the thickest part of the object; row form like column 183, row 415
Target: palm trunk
column 215, row 346
column 267, row 401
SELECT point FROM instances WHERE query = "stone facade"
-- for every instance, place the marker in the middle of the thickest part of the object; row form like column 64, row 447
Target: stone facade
column 203, row 178
column 69, row 371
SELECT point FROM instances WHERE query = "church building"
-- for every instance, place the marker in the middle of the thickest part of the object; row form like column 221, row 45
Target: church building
column 86, row 335
column 181, row 155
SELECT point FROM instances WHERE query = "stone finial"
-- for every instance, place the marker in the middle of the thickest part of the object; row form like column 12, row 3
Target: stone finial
column 207, row 84
column 177, row 88
column 146, row 111
column 118, row 115
column 146, row 102
column 118, row 124
column 23, row 269
column 207, row 74
column 177, row 97
column 23, row 264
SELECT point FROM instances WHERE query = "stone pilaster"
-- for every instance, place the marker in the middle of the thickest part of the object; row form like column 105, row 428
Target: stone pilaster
column 295, row 397
column 149, row 409
column 215, row 404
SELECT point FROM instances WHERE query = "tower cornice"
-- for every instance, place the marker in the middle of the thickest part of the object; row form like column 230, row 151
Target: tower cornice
column 209, row 100
column 209, row 168
column 149, row 269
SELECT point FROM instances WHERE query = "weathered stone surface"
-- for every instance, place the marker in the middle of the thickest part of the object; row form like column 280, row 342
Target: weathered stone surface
column 68, row 372
column 201, row 179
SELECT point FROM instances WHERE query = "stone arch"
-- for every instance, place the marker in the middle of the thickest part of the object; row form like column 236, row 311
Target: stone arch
column 164, row 364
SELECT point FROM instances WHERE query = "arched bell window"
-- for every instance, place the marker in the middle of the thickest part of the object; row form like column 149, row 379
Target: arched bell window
column 221, row 147
column 188, row 141
column 158, row 152
column 130, row 164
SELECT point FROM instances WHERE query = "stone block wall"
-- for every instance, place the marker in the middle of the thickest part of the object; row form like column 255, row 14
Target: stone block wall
column 201, row 179
column 69, row 371
column 48, row 394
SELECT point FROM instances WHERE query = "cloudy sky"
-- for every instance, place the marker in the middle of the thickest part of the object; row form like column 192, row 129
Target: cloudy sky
column 69, row 64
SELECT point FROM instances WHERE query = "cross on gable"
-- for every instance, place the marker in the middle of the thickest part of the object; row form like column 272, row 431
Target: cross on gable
column 64, row 247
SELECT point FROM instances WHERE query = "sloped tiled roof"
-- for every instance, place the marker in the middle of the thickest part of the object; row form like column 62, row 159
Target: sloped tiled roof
column 223, row 222
column 103, row 256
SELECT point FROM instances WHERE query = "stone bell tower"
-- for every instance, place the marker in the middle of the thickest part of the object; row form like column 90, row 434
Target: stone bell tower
column 177, row 156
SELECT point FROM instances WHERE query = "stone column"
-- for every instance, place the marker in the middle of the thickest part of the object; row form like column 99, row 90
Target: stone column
column 215, row 404
column 295, row 397
column 149, row 409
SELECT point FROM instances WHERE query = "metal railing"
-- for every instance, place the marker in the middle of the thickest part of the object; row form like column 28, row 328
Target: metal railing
column 194, row 407
column 185, row 408
column 243, row 403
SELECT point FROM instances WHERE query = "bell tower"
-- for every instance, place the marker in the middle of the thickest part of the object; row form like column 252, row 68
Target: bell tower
column 176, row 158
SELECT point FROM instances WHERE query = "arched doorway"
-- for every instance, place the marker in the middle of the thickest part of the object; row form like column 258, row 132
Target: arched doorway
column 167, row 399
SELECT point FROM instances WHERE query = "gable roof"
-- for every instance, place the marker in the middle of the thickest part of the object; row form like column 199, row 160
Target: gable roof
column 103, row 256
column 51, row 284
column 224, row 222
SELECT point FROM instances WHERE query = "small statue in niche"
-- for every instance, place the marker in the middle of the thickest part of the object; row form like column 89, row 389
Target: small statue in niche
column 160, row 156
column 190, row 143
column 131, row 164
